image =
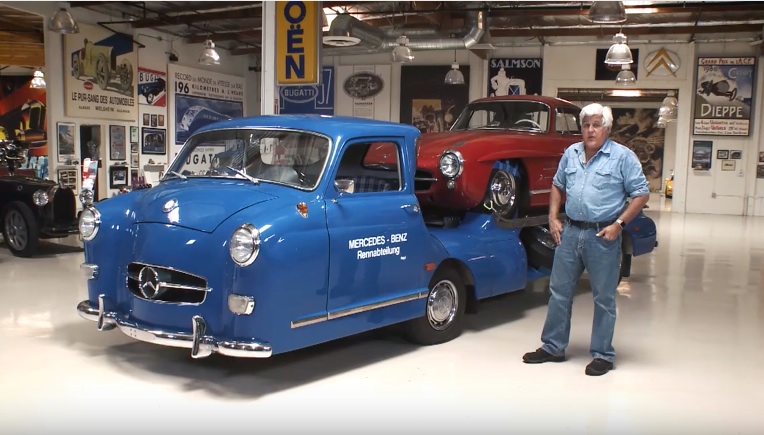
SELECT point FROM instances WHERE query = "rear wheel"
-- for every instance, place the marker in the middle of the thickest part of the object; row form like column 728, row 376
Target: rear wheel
column 443, row 318
column 20, row 229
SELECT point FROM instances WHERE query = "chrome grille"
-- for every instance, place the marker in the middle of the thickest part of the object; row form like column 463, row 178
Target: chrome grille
column 163, row 284
column 423, row 180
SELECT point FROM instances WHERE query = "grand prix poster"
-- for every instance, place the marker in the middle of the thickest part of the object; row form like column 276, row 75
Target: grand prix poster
column 100, row 73
column 724, row 96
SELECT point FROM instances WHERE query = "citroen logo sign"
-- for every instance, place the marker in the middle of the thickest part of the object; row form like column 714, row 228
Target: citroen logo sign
column 662, row 63
column 148, row 283
column 170, row 205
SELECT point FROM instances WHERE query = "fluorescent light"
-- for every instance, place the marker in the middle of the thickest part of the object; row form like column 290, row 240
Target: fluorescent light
column 626, row 93
column 641, row 11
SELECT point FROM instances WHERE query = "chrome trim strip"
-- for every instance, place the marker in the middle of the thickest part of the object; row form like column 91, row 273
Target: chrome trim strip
column 201, row 344
column 540, row 191
column 355, row 310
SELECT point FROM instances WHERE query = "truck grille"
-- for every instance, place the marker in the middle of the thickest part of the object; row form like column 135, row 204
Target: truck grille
column 163, row 284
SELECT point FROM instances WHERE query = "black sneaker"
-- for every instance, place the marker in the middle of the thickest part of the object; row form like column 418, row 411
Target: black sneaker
column 598, row 367
column 541, row 356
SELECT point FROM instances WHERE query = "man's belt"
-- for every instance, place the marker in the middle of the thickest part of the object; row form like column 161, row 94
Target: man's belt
column 590, row 225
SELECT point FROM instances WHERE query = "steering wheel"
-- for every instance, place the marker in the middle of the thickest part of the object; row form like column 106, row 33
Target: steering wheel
column 529, row 121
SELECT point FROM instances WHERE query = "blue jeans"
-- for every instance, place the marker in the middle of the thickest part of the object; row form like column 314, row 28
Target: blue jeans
column 579, row 249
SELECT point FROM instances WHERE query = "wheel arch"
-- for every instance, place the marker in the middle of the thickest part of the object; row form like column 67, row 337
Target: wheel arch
column 468, row 279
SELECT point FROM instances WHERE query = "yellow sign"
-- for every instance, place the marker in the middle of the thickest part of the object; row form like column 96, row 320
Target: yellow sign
column 298, row 41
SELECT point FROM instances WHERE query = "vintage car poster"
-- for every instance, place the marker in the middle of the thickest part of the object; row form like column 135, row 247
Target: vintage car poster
column 152, row 87
column 701, row 154
column 100, row 74
column 724, row 96
column 23, row 114
column 427, row 102
column 514, row 76
column 364, row 91
column 317, row 99
column 635, row 128
column 66, row 141
column 200, row 98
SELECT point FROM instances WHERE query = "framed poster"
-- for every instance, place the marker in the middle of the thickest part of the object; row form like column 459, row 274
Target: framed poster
column 66, row 141
column 701, row 154
column 635, row 128
column 510, row 76
column 117, row 142
column 736, row 154
column 154, row 141
column 722, row 154
column 728, row 165
column 67, row 177
column 133, row 133
column 426, row 102
column 724, row 96
column 117, row 177
column 134, row 159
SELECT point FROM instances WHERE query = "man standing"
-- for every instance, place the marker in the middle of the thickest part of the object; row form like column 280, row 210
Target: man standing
column 596, row 175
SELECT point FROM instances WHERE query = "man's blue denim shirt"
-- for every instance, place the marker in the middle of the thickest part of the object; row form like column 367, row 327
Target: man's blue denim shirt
column 596, row 191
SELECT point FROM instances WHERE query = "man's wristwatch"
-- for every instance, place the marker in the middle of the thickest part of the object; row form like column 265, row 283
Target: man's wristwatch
column 621, row 223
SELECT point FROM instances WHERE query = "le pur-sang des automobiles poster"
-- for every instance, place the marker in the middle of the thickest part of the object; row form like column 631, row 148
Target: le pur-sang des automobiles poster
column 724, row 96
column 200, row 98
column 100, row 69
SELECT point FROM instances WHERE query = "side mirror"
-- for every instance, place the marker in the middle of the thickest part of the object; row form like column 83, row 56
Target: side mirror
column 345, row 186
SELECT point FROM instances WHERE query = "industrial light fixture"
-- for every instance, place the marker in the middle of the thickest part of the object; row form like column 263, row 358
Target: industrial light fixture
column 669, row 109
column 607, row 12
column 38, row 80
column 63, row 22
column 626, row 77
column 454, row 76
column 402, row 53
column 209, row 55
column 619, row 53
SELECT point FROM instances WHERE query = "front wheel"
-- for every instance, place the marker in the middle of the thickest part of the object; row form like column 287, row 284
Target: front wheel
column 443, row 318
column 501, row 194
column 20, row 229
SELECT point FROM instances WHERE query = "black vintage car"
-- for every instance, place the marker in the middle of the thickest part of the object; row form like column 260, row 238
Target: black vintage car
column 31, row 208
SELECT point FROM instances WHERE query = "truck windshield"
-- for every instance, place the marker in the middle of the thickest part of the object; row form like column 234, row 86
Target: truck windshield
column 293, row 158
column 504, row 115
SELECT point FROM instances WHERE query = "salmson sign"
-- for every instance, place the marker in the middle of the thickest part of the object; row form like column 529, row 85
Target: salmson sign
column 724, row 96
column 102, row 75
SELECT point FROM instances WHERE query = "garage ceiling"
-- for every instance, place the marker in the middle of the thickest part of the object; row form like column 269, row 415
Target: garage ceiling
column 236, row 26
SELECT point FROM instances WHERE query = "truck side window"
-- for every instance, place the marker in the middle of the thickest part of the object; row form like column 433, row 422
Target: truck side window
column 373, row 167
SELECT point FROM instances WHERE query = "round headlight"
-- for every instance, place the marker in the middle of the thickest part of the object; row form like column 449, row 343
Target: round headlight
column 40, row 198
column 90, row 220
column 451, row 164
column 245, row 244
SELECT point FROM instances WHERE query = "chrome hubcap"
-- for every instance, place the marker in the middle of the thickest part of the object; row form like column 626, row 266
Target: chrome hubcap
column 16, row 230
column 442, row 305
column 503, row 190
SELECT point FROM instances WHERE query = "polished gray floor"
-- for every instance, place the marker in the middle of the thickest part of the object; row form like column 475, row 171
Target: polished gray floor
column 689, row 340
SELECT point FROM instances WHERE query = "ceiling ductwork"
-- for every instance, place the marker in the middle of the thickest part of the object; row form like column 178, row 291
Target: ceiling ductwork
column 346, row 29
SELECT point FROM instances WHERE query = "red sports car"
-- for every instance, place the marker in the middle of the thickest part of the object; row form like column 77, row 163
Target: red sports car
column 500, row 155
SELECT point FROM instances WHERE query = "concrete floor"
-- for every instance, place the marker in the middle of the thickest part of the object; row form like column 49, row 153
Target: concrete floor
column 689, row 338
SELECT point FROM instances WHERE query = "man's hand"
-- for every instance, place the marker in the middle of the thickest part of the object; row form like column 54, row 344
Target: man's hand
column 555, row 227
column 610, row 232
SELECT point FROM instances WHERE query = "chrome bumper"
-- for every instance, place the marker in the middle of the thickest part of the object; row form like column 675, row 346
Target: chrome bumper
column 201, row 345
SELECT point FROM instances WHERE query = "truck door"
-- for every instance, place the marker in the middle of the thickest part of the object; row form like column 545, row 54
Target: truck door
column 376, row 233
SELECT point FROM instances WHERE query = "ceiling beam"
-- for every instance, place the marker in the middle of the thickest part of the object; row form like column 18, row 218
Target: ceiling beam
column 191, row 18
column 13, row 53
column 237, row 35
column 629, row 31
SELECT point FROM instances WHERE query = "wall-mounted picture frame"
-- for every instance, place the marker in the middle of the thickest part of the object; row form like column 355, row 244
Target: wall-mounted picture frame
column 736, row 154
column 154, row 141
column 728, row 165
column 160, row 121
column 118, row 176
column 117, row 142
column 146, row 119
column 66, row 140
column 722, row 154
column 134, row 160
column 134, row 133
column 134, row 147
column 701, row 154
column 153, row 120
column 67, row 177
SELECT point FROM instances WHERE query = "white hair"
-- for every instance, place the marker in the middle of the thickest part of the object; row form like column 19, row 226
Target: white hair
column 598, row 109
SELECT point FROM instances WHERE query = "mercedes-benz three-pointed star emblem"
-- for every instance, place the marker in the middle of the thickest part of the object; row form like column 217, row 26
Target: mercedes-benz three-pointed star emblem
column 149, row 283
column 170, row 205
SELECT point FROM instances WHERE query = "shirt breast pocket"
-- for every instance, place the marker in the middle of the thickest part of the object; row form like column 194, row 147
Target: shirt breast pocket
column 608, row 179
column 571, row 176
